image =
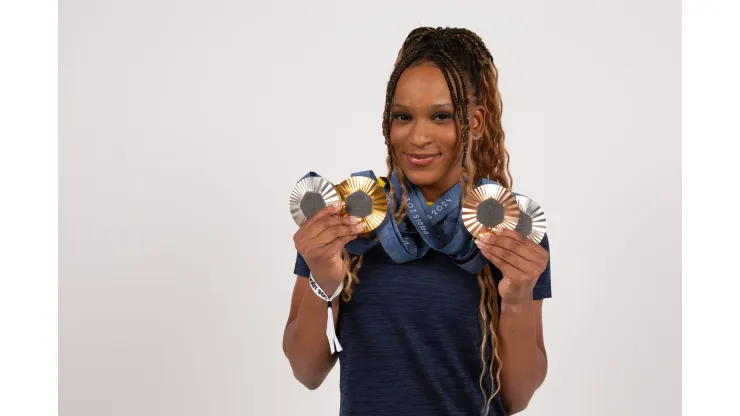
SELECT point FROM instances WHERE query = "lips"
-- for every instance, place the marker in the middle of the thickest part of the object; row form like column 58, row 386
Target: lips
column 421, row 159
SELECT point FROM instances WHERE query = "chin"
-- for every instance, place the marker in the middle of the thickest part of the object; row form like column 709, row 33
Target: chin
column 421, row 177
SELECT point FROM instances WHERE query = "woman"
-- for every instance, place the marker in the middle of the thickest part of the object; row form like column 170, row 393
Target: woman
column 427, row 337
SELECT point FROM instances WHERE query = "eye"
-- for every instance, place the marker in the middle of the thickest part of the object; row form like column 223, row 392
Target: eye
column 401, row 117
column 442, row 116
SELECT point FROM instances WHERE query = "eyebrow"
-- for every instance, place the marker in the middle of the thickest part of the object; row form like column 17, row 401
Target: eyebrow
column 438, row 106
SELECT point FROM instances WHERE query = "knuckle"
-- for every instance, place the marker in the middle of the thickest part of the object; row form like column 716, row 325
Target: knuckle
column 309, row 257
column 323, row 223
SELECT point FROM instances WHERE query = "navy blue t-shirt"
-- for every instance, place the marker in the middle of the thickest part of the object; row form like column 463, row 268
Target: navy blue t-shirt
column 411, row 337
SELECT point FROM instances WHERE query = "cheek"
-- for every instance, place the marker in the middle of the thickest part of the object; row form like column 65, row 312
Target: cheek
column 447, row 137
column 399, row 134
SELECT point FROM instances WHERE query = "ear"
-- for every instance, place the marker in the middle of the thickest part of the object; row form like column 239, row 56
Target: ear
column 477, row 121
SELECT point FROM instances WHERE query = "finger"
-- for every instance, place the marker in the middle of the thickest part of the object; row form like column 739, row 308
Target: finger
column 307, row 229
column 331, row 209
column 506, row 268
column 315, row 229
column 332, row 233
column 525, row 266
column 337, row 245
column 505, row 232
column 505, row 240
column 494, row 238
column 514, row 259
column 533, row 247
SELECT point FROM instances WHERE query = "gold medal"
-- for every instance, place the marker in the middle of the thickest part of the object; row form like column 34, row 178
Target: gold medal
column 364, row 198
column 487, row 207
column 309, row 196
column 532, row 222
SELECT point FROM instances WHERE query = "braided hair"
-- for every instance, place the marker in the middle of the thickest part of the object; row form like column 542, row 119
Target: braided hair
column 468, row 69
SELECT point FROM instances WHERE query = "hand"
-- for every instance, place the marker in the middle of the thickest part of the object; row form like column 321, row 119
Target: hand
column 520, row 260
column 320, row 241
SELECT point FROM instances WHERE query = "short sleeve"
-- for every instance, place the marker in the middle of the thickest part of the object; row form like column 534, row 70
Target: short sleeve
column 542, row 288
column 301, row 267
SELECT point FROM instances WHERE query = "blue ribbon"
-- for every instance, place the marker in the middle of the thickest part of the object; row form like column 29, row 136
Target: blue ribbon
column 437, row 227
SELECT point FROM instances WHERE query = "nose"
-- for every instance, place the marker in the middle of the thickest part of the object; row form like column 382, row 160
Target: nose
column 419, row 136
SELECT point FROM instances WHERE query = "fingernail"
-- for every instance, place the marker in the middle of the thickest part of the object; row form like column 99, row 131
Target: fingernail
column 477, row 243
column 354, row 220
column 336, row 204
column 498, row 231
column 360, row 227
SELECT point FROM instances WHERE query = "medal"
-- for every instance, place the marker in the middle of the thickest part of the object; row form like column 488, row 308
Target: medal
column 532, row 223
column 363, row 198
column 309, row 196
column 487, row 207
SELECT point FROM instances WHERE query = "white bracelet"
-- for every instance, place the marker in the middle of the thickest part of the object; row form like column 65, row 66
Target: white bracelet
column 330, row 333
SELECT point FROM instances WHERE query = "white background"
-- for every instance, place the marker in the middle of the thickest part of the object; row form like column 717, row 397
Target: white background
column 183, row 126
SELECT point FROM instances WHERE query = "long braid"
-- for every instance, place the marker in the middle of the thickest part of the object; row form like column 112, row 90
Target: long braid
column 496, row 168
column 469, row 71
column 490, row 98
column 462, row 105
column 460, row 110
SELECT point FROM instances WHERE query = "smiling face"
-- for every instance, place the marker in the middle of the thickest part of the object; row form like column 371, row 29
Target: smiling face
column 424, row 130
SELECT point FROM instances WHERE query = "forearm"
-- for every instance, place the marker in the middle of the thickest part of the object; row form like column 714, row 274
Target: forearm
column 524, row 363
column 305, row 343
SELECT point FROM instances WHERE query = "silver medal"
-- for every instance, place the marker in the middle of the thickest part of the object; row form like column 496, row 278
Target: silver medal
column 532, row 223
column 309, row 196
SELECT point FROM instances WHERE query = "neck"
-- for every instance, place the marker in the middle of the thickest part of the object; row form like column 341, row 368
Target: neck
column 434, row 191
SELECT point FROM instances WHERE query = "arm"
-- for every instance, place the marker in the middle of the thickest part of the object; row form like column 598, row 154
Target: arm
column 304, row 339
column 319, row 242
column 522, row 352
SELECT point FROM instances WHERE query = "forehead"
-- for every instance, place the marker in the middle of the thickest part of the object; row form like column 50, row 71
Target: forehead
column 422, row 85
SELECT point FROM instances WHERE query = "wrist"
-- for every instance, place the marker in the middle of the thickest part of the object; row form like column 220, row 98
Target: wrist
column 328, row 285
column 517, row 308
column 517, row 301
column 326, row 289
column 328, row 297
